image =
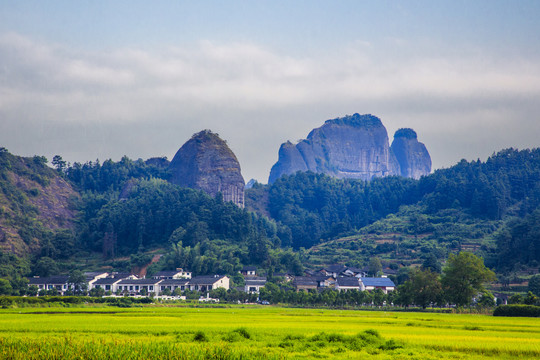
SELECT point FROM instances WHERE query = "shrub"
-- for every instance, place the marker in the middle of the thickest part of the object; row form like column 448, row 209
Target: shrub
column 242, row 331
column 517, row 310
column 200, row 336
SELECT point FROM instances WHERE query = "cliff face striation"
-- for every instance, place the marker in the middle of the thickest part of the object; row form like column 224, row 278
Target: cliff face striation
column 356, row 147
column 205, row 162
column 412, row 156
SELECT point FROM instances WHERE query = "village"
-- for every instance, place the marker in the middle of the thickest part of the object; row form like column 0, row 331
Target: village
column 168, row 283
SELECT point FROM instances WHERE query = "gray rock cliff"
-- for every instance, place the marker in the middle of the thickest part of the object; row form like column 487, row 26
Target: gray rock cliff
column 356, row 147
column 412, row 156
column 205, row 162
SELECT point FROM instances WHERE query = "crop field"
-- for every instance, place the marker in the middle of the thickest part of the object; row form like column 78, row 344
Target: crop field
column 153, row 332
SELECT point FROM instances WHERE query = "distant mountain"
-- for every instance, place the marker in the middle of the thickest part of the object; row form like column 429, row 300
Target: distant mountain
column 205, row 162
column 354, row 147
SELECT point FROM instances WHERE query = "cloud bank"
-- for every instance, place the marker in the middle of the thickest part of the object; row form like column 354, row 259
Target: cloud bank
column 85, row 105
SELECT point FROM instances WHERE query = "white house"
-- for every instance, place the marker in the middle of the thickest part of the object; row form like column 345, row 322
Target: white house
column 59, row 282
column 135, row 286
column 210, row 282
column 107, row 284
column 254, row 284
column 347, row 283
column 249, row 271
column 173, row 284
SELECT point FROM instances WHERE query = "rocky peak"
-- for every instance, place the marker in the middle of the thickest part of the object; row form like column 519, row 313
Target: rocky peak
column 354, row 146
column 205, row 162
column 412, row 156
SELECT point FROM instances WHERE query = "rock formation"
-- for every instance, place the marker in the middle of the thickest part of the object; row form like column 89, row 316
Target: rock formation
column 412, row 156
column 355, row 146
column 205, row 162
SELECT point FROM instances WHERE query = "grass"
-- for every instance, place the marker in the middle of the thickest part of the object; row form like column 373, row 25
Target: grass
column 260, row 333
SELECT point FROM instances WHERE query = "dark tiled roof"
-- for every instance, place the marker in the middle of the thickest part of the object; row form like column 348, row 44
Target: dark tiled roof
column 249, row 268
column 166, row 273
column 139, row 282
column 389, row 271
column 205, row 280
column 371, row 281
column 175, row 282
column 256, row 282
column 120, row 275
column 53, row 280
column 335, row 268
column 348, row 281
column 106, row 281
column 282, row 274
column 304, row 281
column 323, row 277
column 91, row 275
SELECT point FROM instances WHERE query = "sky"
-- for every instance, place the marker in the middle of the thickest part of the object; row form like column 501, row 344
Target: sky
column 94, row 80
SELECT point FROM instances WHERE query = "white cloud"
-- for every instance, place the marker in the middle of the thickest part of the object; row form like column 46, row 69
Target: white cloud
column 225, row 86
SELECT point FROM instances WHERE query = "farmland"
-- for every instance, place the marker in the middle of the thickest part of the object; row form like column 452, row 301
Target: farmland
column 260, row 332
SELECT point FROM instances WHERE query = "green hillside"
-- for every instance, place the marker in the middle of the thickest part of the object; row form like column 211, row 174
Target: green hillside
column 121, row 215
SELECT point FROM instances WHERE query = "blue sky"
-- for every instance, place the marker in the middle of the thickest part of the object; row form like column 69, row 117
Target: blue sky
column 96, row 79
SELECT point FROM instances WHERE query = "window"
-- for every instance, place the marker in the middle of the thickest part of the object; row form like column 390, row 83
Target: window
column 151, row 288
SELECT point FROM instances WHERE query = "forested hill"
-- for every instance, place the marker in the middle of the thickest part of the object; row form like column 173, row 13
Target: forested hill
column 37, row 207
column 505, row 187
column 118, row 215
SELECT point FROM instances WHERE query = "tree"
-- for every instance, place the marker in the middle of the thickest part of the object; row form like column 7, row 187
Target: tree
column 97, row 292
column 78, row 282
column 45, row 266
column 5, row 287
column 375, row 266
column 534, row 285
column 530, row 299
column 431, row 263
column 166, row 292
column 32, row 290
column 425, row 287
column 59, row 164
column 379, row 297
column 486, row 300
column 463, row 277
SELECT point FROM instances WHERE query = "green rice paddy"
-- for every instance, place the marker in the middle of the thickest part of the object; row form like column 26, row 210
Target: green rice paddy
column 154, row 332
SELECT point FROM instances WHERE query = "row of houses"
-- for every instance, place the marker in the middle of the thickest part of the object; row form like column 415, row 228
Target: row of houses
column 131, row 285
column 336, row 277
column 343, row 283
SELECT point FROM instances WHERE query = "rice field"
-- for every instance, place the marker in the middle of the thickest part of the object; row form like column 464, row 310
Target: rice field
column 258, row 332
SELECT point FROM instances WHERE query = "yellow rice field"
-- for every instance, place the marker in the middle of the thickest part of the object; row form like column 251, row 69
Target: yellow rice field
column 260, row 332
